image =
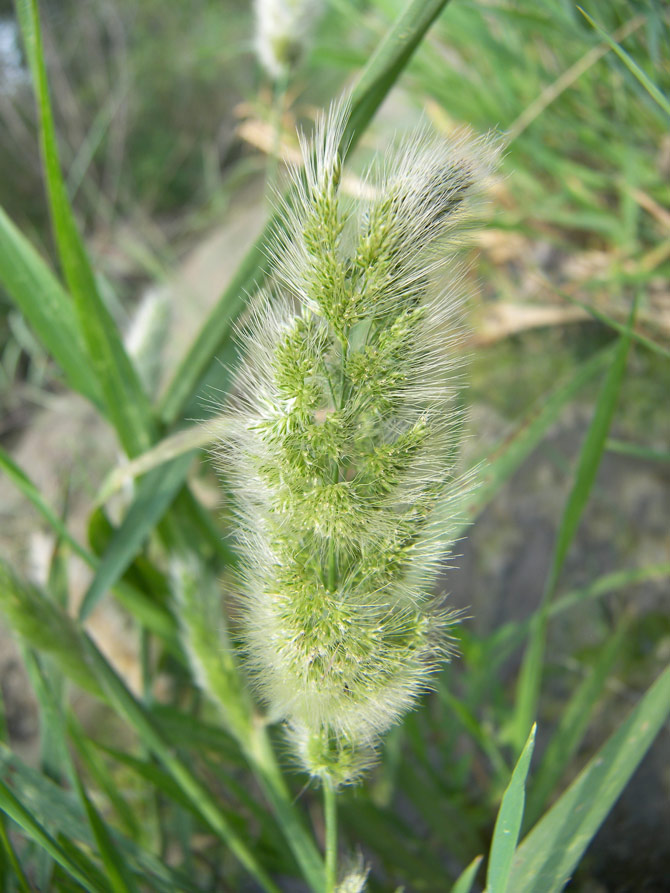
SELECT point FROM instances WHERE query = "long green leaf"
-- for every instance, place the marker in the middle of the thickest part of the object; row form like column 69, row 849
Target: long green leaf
column 467, row 878
column 508, row 457
column 511, row 635
column 12, row 859
column 631, row 65
column 530, row 677
column 85, row 873
column 154, row 494
column 379, row 75
column 118, row 876
column 566, row 739
column 23, row 483
column 45, row 626
column 508, row 823
column 104, row 780
column 57, row 762
column 636, row 451
column 608, row 320
column 60, row 812
column 146, row 611
column 160, row 780
column 149, row 733
column 546, row 858
column 386, row 65
column 194, row 437
column 47, row 308
column 127, row 405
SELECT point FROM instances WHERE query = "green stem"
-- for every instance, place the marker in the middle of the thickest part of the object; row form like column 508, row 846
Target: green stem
column 330, row 814
column 260, row 754
column 5, row 844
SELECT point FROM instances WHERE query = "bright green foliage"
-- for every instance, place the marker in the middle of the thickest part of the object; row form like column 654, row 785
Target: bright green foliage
column 45, row 626
column 344, row 450
column 206, row 641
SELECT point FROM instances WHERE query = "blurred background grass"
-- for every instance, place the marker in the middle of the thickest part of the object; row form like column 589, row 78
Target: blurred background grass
column 148, row 100
column 165, row 123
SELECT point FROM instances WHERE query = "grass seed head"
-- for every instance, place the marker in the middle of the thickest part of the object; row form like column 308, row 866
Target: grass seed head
column 343, row 459
column 283, row 30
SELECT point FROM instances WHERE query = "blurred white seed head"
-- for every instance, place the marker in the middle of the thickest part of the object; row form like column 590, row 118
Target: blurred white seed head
column 345, row 446
column 355, row 878
column 283, row 30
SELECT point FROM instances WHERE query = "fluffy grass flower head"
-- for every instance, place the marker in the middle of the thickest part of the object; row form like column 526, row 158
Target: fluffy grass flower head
column 283, row 30
column 344, row 452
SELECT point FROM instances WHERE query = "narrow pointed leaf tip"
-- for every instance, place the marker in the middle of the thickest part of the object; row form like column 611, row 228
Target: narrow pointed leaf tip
column 508, row 823
column 344, row 442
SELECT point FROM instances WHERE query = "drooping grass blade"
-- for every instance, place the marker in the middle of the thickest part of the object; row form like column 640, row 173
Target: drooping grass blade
column 547, row 856
column 530, row 677
column 651, row 88
column 46, row 307
column 573, row 724
column 508, row 823
column 127, row 405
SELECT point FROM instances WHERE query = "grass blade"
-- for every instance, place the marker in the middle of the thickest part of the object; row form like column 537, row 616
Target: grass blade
column 144, row 609
column 61, row 812
column 508, row 823
column 140, row 719
column 379, row 75
column 482, row 737
column 117, row 875
column 23, row 483
column 12, row 859
column 47, row 308
column 573, row 724
column 514, row 450
column 651, row 88
column 467, row 878
column 94, row 764
column 127, row 405
column 46, row 627
column 547, row 856
column 153, row 497
column 608, row 320
column 386, row 65
column 636, row 451
column 194, row 437
column 58, row 764
column 86, row 874
column 530, row 677
column 511, row 635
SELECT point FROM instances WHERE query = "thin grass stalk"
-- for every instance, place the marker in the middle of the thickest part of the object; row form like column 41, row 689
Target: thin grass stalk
column 330, row 820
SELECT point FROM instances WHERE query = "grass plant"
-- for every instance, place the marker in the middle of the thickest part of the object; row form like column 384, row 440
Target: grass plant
column 290, row 661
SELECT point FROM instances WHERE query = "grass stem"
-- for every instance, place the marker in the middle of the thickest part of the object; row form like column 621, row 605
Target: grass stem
column 330, row 815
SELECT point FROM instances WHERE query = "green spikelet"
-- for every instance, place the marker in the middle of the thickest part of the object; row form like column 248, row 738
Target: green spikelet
column 45, row 626
column 344, row 449
column 206, row 641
